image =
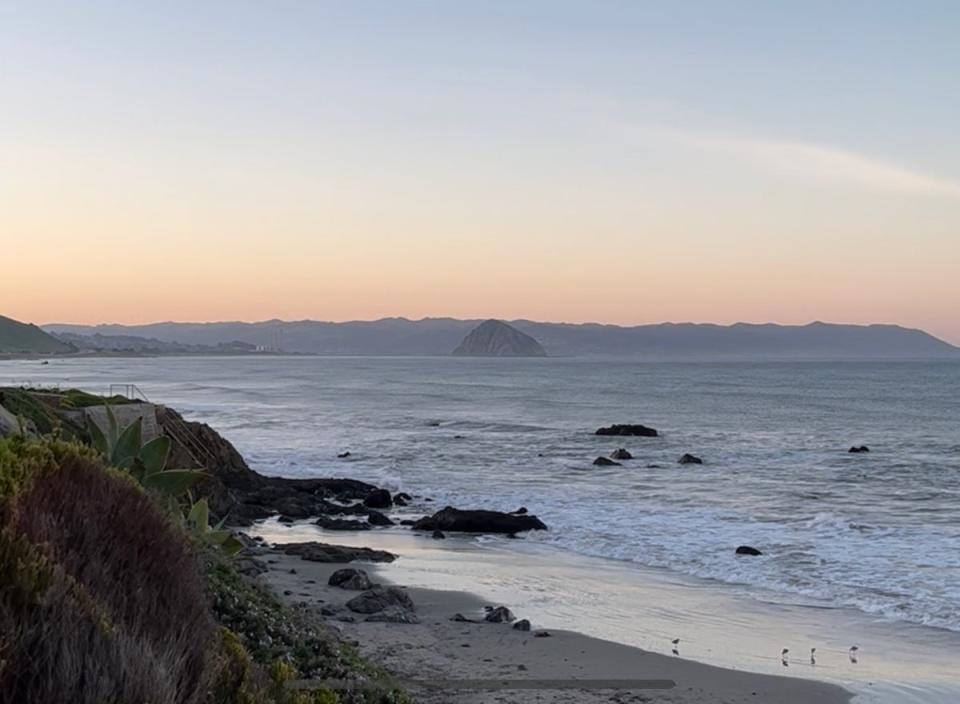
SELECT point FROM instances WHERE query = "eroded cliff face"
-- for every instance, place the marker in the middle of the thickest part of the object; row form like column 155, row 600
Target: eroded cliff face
column 495, row 338
column 240, row 494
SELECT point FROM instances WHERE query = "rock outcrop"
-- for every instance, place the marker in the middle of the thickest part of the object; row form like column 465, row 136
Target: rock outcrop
column 457, row 520
column 495, row 338
column 628, row 429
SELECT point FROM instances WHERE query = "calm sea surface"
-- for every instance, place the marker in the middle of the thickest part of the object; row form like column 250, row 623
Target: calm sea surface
column 879, row 532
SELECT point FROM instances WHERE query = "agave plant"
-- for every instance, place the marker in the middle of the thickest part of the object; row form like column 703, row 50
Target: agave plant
column 198, row 523
column 146, row 462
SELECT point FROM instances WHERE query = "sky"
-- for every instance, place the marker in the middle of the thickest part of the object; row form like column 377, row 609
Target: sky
column 623, row 162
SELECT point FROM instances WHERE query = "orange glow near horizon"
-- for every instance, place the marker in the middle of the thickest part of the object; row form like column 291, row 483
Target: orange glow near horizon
column 335, row 164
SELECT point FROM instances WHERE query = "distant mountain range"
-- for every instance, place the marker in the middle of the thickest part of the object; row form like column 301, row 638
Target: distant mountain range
column 439, row 336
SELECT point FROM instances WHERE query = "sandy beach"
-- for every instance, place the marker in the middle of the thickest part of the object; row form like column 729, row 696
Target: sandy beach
column 438, row 648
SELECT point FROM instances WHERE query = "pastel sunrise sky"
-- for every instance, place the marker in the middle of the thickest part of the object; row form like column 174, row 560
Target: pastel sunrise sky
column 623, row 162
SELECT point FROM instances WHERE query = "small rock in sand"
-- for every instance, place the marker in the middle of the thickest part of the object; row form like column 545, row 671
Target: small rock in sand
column 378, row 598
column 393, row 614
column 350, row 578
column 500, row 614
column 542, row 634
column 522, row 625
column 460, row 618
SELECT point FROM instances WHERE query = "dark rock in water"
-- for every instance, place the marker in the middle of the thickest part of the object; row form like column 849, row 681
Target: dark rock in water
column 859, row 448
column 407, row 522
column 620, row 454
column 324, row 552
column 494, row 338
column 500, row 614
column 378, row 498
column 286, row 519
column 747, row 550
column 402, row 499
column 627, row 429
column 328, row 523
column 653, row 466
column 521, row 511
column 458, row 520
column 689, row 459
column 378, row 519
column 522, row 625
column 343, row 455
column 378, row 598
column 438, row 535
column 393, row 614
column 604, row 462
column 350, row 578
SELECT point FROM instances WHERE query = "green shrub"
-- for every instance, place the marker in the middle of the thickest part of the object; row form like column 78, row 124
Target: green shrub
column 107, row 604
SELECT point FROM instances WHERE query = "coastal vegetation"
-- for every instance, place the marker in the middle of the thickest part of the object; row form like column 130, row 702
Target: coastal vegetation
column 116, row 588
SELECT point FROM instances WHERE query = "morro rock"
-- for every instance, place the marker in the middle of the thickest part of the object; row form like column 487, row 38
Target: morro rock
column 495, row 338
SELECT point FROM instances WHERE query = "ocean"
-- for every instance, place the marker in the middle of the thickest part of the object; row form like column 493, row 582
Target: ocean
column 878, row 532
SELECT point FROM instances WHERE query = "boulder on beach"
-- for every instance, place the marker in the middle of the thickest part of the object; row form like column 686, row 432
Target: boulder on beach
column 747, row 550
column 378, row 498
column 464, row 521
column 605, row 462
column 350, row 578
column 628, row 429
column 859, row 448
column 500, row 614
column 522, row 625
column 379, row 598
column 313, row 551
column 689, row 459
column 621, row 454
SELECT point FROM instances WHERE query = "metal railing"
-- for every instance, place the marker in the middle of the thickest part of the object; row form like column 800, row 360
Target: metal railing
column 172, row 425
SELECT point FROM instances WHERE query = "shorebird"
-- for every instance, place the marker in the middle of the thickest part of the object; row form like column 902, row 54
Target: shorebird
column 813, row 656
column 853, row 654
column 676, row 641
column 783, row 657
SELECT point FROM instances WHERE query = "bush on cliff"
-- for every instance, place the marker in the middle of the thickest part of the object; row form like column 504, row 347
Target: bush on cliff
column 104, row 601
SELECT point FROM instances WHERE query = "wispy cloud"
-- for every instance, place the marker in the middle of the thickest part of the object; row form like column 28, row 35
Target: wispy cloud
column 816, row 162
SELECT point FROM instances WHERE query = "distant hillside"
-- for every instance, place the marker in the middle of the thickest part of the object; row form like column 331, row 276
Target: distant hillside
column 23, row 338
column 666, row 341
column 145, row 345
column 494, row 338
